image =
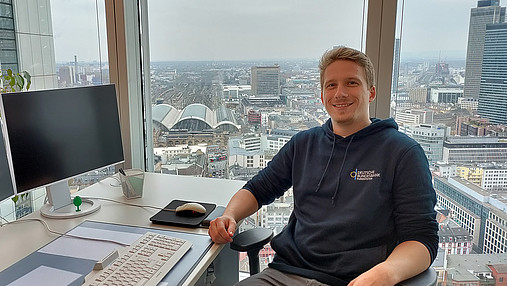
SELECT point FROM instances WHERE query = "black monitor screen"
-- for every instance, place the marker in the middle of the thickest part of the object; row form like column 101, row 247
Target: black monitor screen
column 6, row 189
column 61, row 133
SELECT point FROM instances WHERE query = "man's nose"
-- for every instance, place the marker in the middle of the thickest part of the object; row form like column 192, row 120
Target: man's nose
column 341, row 91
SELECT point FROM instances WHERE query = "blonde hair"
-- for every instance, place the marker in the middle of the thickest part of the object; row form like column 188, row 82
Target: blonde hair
column 345, row 53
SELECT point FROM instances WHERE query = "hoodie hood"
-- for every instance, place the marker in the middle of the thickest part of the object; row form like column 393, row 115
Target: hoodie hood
column 375, row 126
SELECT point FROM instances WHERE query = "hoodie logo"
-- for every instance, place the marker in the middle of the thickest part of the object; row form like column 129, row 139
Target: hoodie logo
column 368, row 175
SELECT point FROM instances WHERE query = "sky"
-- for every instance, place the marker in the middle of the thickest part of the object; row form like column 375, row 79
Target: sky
column 262, row 29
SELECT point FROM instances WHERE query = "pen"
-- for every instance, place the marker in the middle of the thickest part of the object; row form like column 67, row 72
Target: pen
column 122, row 172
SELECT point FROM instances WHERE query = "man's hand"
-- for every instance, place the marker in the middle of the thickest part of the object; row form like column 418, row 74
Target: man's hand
column 241, row 205
column 222, row 229
column 408, row 259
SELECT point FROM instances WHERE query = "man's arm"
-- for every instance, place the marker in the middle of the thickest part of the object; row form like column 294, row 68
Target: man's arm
column 241, row 205
column 408, row 259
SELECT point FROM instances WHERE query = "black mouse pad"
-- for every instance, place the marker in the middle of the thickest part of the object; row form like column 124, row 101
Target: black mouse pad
column 171, row 218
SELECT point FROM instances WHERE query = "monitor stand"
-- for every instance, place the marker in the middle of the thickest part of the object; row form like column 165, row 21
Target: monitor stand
column 60, row 204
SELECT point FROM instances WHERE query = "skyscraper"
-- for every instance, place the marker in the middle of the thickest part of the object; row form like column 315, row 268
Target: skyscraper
column 266, row 80
column 9, row 54
column 493, row 85
column 396, row 66
column 487, row 12
column 26, row 37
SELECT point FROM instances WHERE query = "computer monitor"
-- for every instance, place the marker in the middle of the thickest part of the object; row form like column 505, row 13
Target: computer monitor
column 6, row 186
column 57, row 134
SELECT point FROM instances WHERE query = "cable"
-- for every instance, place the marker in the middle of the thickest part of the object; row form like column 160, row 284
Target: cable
column 117, row 179
column 130, row 204
column 45, row 224
column 1, row 224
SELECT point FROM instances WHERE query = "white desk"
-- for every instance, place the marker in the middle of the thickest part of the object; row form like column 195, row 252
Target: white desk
column 21, row 239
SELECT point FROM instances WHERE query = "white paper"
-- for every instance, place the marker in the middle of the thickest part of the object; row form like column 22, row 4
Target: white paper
column 89, row 249
column 46, row 276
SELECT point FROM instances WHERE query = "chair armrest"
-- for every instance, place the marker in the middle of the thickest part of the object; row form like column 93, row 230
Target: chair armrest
column 426, row 278
column 251, row 239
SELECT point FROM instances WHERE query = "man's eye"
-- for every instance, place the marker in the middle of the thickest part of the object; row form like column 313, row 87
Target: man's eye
column 353, row 82
column 329, row 85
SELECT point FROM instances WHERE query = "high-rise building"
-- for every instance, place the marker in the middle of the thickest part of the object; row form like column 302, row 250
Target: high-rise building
column 486, row 12
column 396, row 66
column 471, row 149
column 266, row 80
column 493, row 87
column 482, row 214
column 9, row 54
column 34, row 38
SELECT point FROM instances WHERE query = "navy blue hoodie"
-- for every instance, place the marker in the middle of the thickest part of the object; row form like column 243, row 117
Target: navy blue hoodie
column 355, row 199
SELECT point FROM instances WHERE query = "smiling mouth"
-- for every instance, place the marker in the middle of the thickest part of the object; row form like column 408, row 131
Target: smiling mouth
column 342, row 105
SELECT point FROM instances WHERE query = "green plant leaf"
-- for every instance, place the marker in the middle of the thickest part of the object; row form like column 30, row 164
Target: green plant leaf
column 12, row 81
column 15, row 81
column 28, row 78
column 20, row 81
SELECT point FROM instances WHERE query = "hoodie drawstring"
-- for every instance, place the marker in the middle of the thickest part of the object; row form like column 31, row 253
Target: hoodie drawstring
column 327, row 165
column 341, row 169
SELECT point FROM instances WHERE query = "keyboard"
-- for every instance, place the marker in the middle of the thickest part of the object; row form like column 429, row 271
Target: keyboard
column 144, row 262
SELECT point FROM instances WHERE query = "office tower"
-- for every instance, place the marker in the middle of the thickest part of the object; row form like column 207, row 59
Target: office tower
column 479, row 212
column 493, row 87
column 445, row 95
column 34, row 39
column 266, row 80
column 396, row 66
column 414, row 116
column 471, row 149
column 9, row 53
column 486, row 12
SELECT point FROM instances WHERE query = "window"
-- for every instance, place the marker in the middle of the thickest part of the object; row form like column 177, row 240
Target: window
column 450, row 80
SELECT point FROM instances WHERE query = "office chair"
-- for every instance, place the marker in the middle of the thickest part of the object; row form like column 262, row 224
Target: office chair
column 253, row 240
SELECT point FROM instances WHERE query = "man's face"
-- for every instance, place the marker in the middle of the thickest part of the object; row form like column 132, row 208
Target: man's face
column 346, row 95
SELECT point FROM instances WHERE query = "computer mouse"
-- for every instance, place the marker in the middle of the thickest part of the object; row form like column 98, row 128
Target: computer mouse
column 190, row 210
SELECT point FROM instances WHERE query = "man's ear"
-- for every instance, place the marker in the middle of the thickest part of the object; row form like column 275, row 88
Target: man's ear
column 322, row 96
column 373, row 93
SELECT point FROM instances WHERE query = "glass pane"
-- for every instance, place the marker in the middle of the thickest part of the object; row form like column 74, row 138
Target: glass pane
column 450, row 94
column 80, row 48
column 232, row 81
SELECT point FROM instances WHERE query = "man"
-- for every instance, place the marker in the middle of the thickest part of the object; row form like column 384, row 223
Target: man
column 363, row 197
